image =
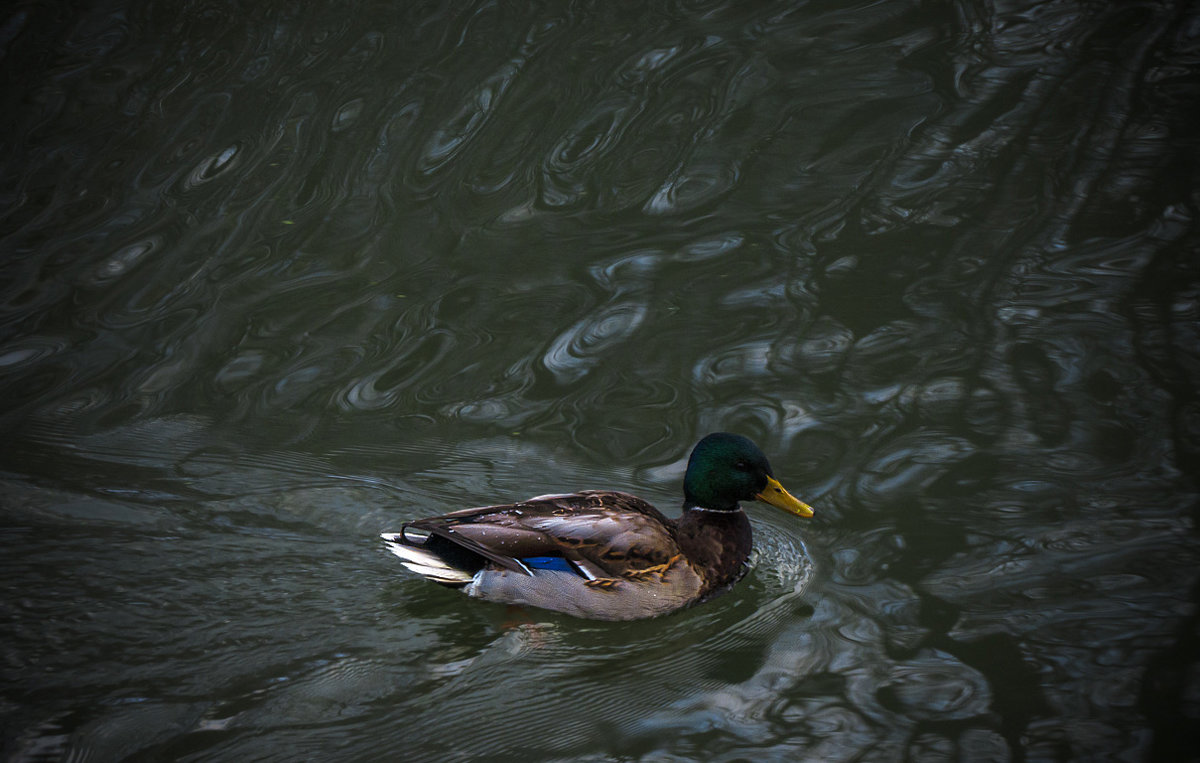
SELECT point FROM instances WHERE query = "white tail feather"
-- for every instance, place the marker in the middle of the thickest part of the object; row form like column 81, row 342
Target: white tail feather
column 424, row 563
column 440, row 574
column 411, row 553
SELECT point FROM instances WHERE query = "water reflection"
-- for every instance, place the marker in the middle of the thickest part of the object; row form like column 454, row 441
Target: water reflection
column 277, row 279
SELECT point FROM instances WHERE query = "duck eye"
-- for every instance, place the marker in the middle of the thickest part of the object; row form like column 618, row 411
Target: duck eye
column 742, row 466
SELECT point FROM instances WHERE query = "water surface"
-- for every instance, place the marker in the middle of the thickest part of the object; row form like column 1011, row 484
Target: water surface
column 275, row 278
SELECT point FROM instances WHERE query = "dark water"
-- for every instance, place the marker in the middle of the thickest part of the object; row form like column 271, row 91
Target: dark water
column 276, row 277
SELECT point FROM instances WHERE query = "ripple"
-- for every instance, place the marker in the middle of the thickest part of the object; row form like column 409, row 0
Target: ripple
column 125, row 259
column 629, row 271
column 504, row 411
column 28, row 351
column 782, row 560
column 347, row 114
column 746, row 361
column 642, row 419
column 910, row 464
column 823, row 347
column 935, row 686
column 212, row 166
column 577, row 350
column 570, row 166
column 710, row 247
column 693, row 186
column 241, row 369
column 462, row 127
column 300, row 383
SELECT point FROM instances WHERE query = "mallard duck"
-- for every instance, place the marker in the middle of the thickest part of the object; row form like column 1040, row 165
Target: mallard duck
column 603, row 554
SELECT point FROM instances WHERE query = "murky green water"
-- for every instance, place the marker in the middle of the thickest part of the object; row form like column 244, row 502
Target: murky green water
column 277, row 277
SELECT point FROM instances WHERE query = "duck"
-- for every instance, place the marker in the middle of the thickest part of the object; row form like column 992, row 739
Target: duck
column 605, row 554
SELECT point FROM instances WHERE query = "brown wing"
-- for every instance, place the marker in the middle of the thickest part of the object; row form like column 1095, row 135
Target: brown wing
column 605, row 534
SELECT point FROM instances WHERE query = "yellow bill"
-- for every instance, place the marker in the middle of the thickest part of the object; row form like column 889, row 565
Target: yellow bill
column 775, row 495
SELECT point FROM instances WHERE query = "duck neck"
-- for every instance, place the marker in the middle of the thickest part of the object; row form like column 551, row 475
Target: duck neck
column 716, row 541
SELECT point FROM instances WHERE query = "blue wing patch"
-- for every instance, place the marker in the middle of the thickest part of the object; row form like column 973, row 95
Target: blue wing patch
column 547, row 563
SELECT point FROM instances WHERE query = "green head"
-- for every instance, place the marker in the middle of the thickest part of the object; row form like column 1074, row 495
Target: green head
column 726, row 468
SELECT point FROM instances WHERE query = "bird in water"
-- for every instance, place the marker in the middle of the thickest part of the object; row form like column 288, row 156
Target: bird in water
column 603, row 554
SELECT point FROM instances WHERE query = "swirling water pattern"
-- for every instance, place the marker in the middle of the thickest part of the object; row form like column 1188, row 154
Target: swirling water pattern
column 278, row 277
